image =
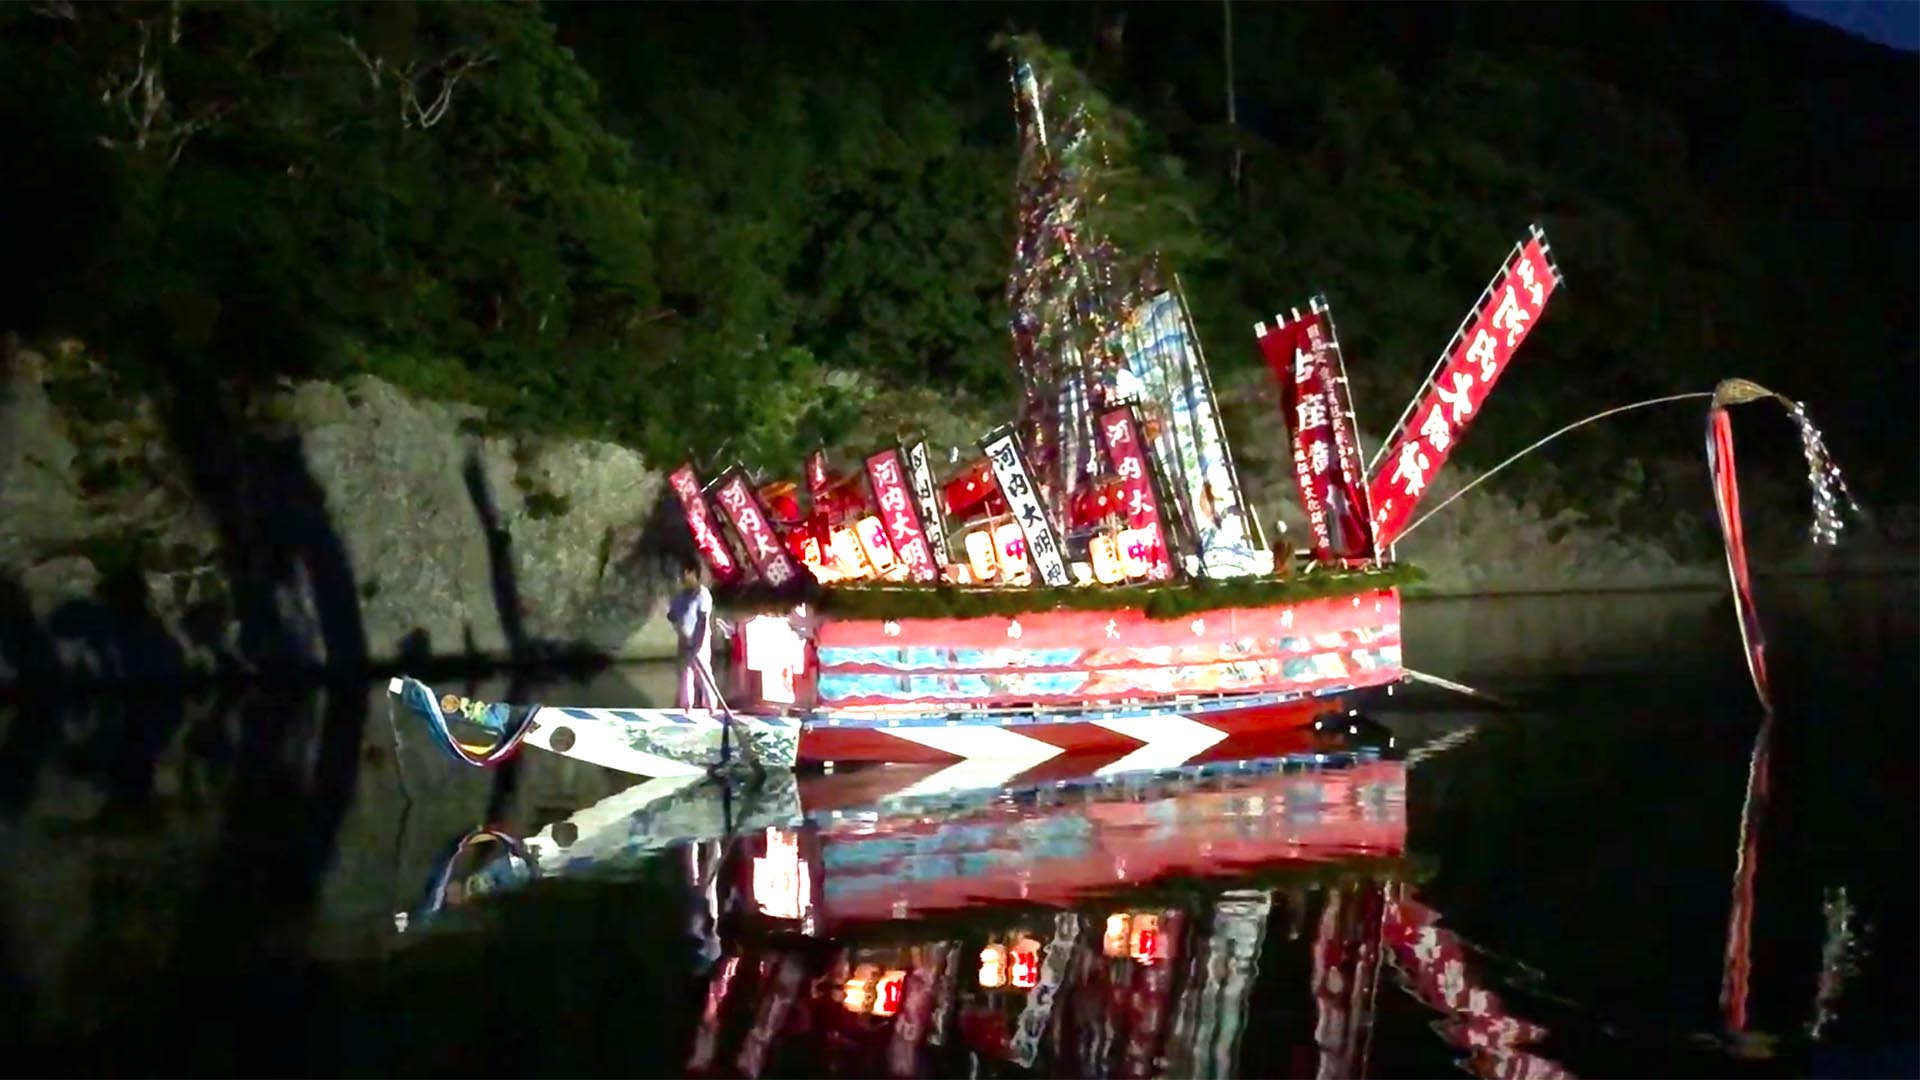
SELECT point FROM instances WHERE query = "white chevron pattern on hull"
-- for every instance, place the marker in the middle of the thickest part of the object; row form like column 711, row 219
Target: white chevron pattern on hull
column 983, row 747
column 1167, row 740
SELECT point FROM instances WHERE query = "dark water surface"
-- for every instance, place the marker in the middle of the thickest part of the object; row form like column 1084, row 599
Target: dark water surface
column 1624, row 872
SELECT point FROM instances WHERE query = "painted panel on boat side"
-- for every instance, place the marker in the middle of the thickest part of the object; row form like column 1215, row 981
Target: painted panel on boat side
column 1060, row 657
column 1080, row 629
column 847, row 661
column 1356, row 667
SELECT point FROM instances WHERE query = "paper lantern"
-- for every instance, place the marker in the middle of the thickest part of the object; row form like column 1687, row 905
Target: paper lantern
column 1117, row 942
column 847, row 556
column 808, row 551
column 980, row 558
column 1010, row 545
column 1082, row 574
column 873, row 541
column 1137, row 550
column 1109, row 567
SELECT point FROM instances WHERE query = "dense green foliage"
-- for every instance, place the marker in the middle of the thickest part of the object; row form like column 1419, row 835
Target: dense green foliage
column 738, row 231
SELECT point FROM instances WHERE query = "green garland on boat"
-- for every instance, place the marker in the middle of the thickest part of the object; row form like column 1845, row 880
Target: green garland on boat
column 972, row 602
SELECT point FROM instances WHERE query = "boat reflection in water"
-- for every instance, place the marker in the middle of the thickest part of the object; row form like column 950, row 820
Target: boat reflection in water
column 1071, row 923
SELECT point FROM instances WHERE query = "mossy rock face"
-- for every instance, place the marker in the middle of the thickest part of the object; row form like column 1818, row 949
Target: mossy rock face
column 1155, row 601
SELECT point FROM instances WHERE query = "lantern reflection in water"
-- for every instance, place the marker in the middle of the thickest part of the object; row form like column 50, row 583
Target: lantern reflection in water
column 857, row 994
column 782, row 884
column 888, row 992
column 1024, row 964
column 993, row 967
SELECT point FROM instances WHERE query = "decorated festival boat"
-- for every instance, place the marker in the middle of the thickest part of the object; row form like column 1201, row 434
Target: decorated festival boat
column 1089, row 579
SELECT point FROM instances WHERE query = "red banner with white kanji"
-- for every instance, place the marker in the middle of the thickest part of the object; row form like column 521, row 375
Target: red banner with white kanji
column 899, row 514
column 818, row 525
column 1326, row 450
column 1487, row 340
column 741, row 504
column 712, row 546
column 1122, row 436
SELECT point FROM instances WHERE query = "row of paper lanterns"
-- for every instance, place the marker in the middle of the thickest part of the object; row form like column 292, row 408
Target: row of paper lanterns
column 994, row 554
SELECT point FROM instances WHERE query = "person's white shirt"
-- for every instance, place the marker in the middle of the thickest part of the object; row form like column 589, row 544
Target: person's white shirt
column 692, row 618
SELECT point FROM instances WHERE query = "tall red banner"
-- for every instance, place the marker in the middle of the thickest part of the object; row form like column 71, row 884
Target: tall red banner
column 713, row 547
column 899, row 515
column 1122, row 437
column 817, row 521
column 1303, row 356
column 741, row 504
column 1485, row 343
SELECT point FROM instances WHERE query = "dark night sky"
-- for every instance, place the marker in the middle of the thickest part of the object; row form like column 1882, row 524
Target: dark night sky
column 1889, row 22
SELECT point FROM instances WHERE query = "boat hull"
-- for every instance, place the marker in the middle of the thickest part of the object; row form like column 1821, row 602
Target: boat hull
column 987, row 695
column 1134, row 736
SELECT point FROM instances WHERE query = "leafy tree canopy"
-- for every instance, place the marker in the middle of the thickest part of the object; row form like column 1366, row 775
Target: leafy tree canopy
column 741, row 230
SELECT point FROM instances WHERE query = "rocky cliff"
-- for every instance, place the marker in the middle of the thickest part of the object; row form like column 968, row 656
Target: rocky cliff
column 347, row 525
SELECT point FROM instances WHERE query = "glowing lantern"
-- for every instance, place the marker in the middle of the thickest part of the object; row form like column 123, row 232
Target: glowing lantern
column 857, row 995
column 1118, row 940
column 980, row 555
column 1011, row 545
column 1082, row 574
column 1108, row 566
column 782, row 885
column 993, row 967
column 846, row 555
column 821, row 559
column 873, row 541
column 888, row 992
column 1136, row 550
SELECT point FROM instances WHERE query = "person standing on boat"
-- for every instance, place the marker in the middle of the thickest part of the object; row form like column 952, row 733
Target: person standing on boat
column 691, row 613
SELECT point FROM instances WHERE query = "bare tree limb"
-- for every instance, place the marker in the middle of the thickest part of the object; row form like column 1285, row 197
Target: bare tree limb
column 420, row 107
column 452, row 69
column 375, row 68
column 140, row 98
